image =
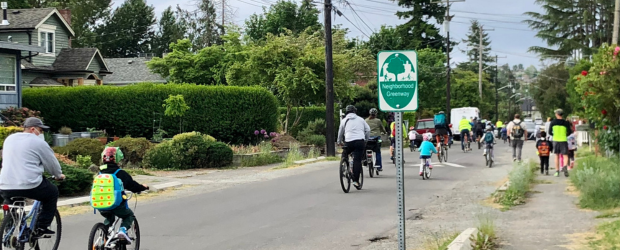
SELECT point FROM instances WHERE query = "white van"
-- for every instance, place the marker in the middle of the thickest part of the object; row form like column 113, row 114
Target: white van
column 456, row 115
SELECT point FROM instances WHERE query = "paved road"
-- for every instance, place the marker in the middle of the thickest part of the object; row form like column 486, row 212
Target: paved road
column 306, row 211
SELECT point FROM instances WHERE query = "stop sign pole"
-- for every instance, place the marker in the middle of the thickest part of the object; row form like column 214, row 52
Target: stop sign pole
column 397, row 77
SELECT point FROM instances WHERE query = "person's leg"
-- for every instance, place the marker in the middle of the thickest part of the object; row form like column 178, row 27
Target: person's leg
column 445, row 140
column 546, row 162
column 358, row 155
column 519, row 149
column 109, row 217
column 557, row 164
column 514, row 150
column 438, row 141
column 421, row 166
column 126, row 215
column 542, row 165
column 378, row 164
column 462, row 140
column 47, row 194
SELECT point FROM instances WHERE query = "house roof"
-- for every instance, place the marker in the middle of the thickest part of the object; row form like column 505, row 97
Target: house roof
column 29, row 66
column 45, row 82
column 32, row 18
column 77, row 59
column 19, row 46
column 130, row 70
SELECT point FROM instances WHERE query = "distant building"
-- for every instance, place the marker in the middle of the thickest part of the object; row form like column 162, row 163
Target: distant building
column 129, row 71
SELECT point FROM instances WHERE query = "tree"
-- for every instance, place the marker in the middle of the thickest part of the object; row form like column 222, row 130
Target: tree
column 176, row 107
column 128, row 32
column 201, row 26
column 473, row 52
column 170, row 30
column 18, row 4
column 549, row 90
column 465, row 92
column 85, row 15
column 281, row 16
column 386, row 39
column 417, row 33
column 531, row 71
column 568, row 25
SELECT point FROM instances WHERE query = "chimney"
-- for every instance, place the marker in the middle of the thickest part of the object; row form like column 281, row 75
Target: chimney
column 66, row 14
column 5, row 14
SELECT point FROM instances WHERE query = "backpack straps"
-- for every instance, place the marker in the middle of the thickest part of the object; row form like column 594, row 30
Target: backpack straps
column 115, row 172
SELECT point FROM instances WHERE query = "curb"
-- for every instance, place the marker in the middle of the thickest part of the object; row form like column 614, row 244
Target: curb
column 462, row 241
column 309, row 160
column 86, row 199
column 504, row 186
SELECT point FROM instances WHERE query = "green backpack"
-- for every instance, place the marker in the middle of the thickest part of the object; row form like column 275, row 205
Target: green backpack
column 107, row 190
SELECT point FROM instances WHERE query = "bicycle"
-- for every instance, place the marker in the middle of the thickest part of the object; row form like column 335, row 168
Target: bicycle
column 18, row 227
column 346, row 173
column 426, row 170
column 371, row 157
column 106, row 238
column 478, row 140
column 412, row 146
column 488, row 157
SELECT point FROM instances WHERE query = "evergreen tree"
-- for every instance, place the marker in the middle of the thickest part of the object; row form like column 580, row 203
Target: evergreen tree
column 283, row 15
column 473, row 49
column 417, row 32
column 128, row 32
column 201, row 26
column 170, row 30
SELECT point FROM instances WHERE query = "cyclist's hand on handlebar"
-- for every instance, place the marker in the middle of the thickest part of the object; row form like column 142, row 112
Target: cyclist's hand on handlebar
column 145, row 186
column 62, row 177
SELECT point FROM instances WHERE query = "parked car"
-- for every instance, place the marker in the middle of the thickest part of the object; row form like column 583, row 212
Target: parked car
column 530, row 126
column 426, row 125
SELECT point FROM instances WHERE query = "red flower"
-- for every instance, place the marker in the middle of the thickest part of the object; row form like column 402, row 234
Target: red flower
column 605, row 127
column 584, row 73
column 604, row 112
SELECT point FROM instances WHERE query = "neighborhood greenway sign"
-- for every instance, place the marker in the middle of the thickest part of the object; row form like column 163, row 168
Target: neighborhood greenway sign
column 397, row 76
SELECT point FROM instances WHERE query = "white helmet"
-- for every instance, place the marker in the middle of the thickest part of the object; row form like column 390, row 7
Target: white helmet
column 427, row 136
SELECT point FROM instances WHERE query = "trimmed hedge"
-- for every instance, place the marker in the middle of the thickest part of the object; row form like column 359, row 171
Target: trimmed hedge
column 229, row 114
column 310, row 114
column 134, row 150
column 78, row 181
column 187, row 151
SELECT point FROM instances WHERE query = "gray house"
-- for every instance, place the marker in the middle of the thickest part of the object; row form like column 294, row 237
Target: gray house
column 130, row 71
column 11, row 72
column 57, row 64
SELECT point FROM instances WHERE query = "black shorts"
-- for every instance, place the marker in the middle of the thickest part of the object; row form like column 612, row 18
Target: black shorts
column 571, row 155
column 392, row 142
column 441, row 131
column 560, row 147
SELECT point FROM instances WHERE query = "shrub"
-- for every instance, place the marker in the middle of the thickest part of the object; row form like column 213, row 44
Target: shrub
column 189, row 150
column 82, row 146
column 309, row 114
column 230, row 114
column 316, row 127
column 315, row 140
column 6, row 131
column 78, row 181
column 17, row 116
column 83, row 161
column 521, row 177
column 264, row 156
column 134, row 150
column 597, row 180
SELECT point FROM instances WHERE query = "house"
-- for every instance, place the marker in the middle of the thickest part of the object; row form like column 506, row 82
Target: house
column 129, row 71
column 58, row 64
column 11, row 72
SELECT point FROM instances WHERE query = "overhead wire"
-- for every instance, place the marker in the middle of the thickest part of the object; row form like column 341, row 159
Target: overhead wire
column 358, row 16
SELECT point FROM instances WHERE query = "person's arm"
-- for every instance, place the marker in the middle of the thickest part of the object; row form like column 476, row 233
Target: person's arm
column 550, row 146
column 433, row 149
column 341, row 132
column 129, row 183
column 366, row 131
column 550, row 132
column 569, row 128
column 48, row 159
column 383, row 131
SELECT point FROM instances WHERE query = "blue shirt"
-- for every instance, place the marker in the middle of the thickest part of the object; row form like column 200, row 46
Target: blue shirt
column 426, row 148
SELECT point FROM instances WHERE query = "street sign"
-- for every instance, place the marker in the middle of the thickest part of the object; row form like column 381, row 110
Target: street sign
column 397, row 76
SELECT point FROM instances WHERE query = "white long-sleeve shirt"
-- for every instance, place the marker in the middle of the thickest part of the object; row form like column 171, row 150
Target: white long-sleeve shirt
column 24, row 159
column 356, row 129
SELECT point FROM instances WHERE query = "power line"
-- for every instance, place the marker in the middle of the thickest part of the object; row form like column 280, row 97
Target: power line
column 358, row 16
column 338, row 12
column 249, row 3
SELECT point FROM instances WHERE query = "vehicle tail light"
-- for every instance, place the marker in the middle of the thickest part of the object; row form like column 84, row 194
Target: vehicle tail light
column 5, row 207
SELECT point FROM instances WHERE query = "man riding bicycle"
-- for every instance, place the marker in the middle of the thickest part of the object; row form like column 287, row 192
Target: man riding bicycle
column 376, row 130
column 353, row 134
column 25, row 157
column 441, row 130
column 465, row 127
column 478, row 128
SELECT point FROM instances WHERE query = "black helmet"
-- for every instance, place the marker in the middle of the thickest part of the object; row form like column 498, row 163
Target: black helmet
column 373, row 111
column 351, row 109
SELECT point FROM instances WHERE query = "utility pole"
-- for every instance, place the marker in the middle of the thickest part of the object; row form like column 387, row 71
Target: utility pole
column 616, row 22
column 223, row 11
column 449, row 69
column 480, row 48
column 497, row 88
column 329, row 82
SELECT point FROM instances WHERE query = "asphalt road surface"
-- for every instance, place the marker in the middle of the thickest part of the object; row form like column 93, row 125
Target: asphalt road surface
column 304, row 211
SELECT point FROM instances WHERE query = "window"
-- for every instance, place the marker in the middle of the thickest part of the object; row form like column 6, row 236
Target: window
column 8, row 73
column 425, row 124
column 46, row 40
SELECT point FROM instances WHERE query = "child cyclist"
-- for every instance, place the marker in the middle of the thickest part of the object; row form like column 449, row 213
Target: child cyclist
column 488, row 139
column 426, row 150
column 111, row 157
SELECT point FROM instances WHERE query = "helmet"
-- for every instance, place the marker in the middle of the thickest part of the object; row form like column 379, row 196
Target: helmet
column 427, row 136
column 112, row 155
column 489, row 128
column 373, row 111
column 411, row 128
column 441, row 112
column 351, row 109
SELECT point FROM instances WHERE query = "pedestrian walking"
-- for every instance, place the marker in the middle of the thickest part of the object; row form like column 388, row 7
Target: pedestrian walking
column 559, row 130
column 548, row 128
column 544, row 149
column 572, row 147
column 517, row 133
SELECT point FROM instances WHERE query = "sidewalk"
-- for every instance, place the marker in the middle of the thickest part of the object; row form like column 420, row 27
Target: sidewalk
column 548, row 218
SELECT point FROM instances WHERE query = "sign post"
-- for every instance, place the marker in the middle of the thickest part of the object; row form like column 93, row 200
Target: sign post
column 397, row 77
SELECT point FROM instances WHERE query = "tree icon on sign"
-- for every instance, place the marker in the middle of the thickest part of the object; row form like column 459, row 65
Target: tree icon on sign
column 396, row 67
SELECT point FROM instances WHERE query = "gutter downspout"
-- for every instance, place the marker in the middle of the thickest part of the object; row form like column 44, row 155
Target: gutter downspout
column 29, row 43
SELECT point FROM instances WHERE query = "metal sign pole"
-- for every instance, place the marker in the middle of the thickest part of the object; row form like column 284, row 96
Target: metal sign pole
column 400, row 180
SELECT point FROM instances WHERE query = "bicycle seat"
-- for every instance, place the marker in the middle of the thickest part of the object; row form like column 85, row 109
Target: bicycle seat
column 18, row 198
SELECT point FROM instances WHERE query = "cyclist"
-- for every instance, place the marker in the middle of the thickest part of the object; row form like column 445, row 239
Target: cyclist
column 488, row 139
column 24, row 159
column 498, row 126
column 111, row 156
column 412, row 136
column 478, row 129
column 465, row 127
column 392, row 139
column 353, row 134
column 426, row 150
column 376, row 130
column 441, row 130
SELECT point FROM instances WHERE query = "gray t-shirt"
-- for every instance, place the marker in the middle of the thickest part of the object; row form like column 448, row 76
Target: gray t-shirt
column 24, row 159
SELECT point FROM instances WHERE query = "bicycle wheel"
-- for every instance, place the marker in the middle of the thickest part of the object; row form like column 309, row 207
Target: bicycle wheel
column 52, row 242
column 98, row 237
column 361, row 180
column 345, row 180
column 371, row 169
column 440, row 156
column 134, row 235
column 8, row 227
column 445, row 155
column 479, row 144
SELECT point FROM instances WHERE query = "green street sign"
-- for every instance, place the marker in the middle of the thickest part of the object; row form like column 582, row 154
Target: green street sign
column 397, row 76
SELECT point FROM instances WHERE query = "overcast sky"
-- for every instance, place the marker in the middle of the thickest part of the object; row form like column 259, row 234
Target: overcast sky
column 511, row 37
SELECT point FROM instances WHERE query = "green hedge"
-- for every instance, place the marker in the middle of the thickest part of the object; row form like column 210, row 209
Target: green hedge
column 84, row 147
column 229, row 114
column 310, row 114
column 187, row 151
column 78, row 181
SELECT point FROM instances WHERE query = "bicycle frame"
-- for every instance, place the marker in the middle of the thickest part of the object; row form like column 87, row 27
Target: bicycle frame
column 22, row 225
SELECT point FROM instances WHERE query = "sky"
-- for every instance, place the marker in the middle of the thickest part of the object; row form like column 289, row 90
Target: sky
column 510, row 38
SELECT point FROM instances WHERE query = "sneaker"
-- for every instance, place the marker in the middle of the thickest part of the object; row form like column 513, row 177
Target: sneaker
column 557, row 173
column 356, row 184
column 379, row 168
column 565, row 171
column 546, row 172
column 430, row 166
column 484, row 154
column 122, row 234
column 43, row 231
column 420, row 173
column 514, row 159
column 542, row 172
